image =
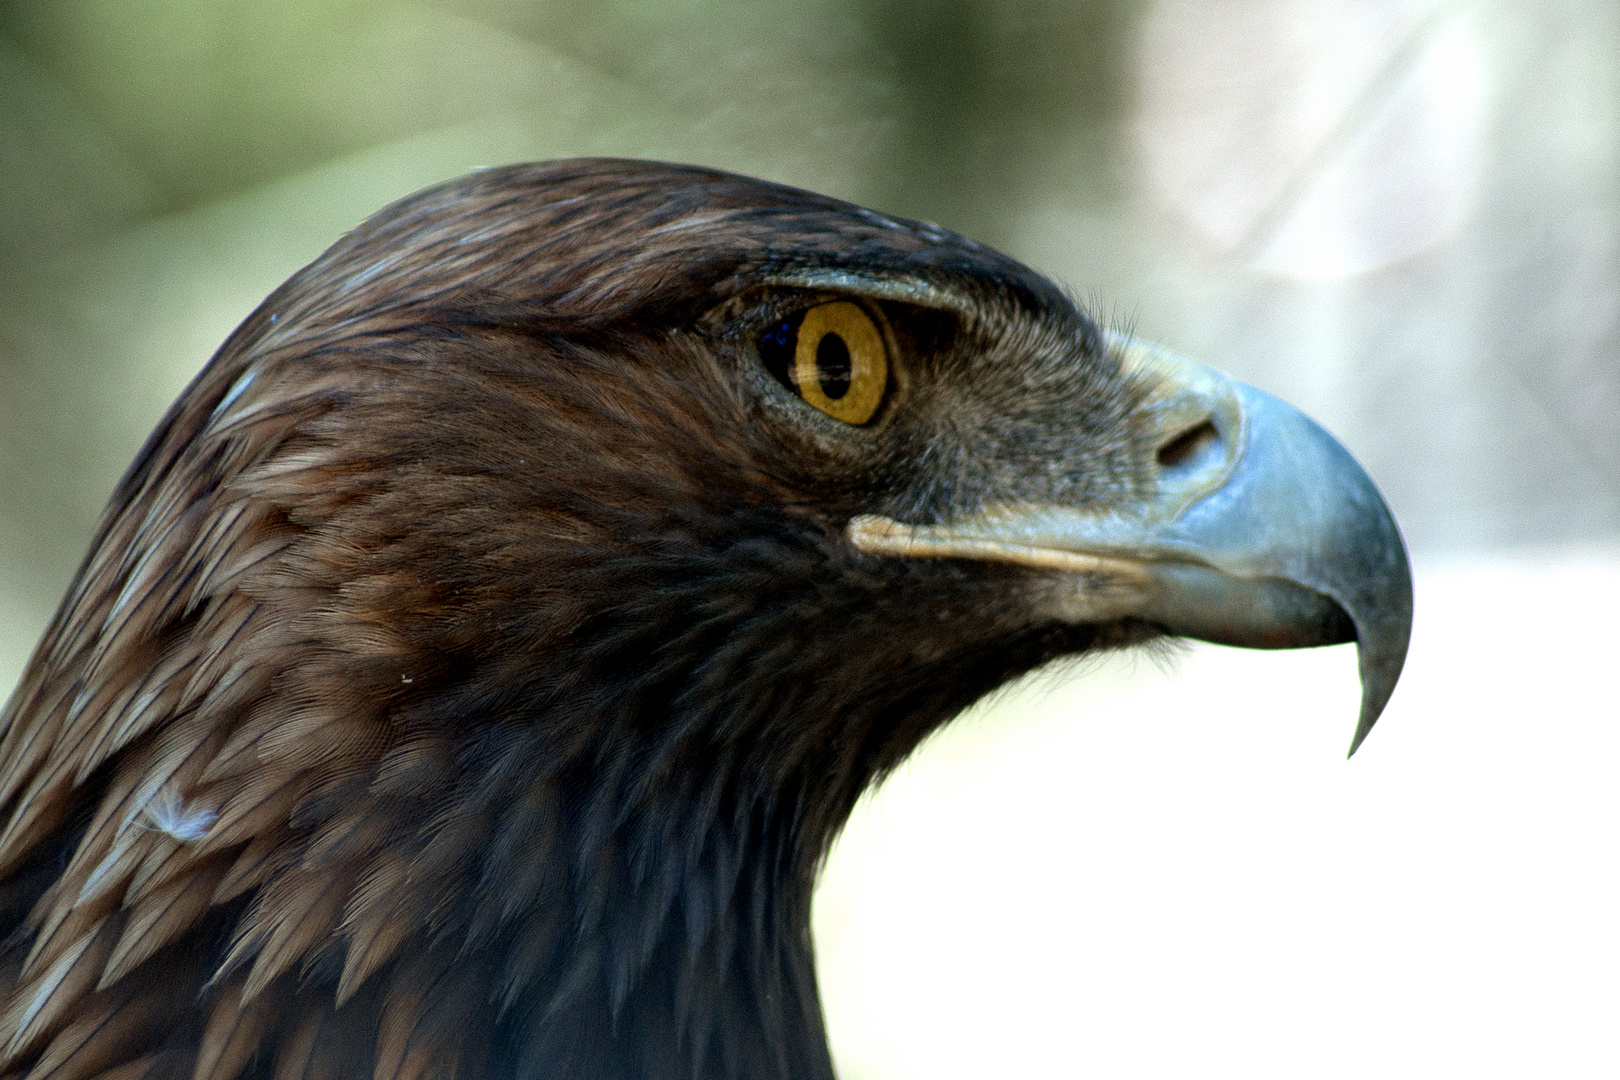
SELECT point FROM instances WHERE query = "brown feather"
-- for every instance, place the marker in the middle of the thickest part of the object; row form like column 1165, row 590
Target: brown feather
column 133, row 1070
column 39, row 1004
column 291, row 918
column 294, row 1056
column 235, row 1031
column 39, row 815
column 161, row 917
column 253, row 866
column 25, row 745
column 397, row 1057
column 103, row 1035
column 373, row 940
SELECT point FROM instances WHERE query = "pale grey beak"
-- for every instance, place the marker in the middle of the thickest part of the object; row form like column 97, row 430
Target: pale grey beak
column 1259, row 530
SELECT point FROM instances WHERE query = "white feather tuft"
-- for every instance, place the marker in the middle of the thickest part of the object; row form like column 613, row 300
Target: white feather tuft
column 167, row 812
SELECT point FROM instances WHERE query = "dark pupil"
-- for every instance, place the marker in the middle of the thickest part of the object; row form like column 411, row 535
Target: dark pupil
column 832, row 366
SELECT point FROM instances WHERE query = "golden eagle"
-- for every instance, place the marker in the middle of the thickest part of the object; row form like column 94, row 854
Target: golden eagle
column 469, row 675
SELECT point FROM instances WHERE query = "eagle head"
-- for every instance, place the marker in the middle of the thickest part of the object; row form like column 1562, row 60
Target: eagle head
column 472, row 670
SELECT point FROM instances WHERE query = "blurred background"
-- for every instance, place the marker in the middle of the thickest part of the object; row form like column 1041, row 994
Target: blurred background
column 1402, row 215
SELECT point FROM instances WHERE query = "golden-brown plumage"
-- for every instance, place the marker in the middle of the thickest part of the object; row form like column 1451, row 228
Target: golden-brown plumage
column 469, row 674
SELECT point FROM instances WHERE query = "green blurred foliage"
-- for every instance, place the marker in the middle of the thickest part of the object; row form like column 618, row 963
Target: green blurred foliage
column 120, row 110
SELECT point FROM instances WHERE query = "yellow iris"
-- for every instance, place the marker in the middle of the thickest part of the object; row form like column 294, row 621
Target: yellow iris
column 840, row 363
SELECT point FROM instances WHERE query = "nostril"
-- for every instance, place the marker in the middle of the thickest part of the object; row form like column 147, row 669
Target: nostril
column 1189, row 446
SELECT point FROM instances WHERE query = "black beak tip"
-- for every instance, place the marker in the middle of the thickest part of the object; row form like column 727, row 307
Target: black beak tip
column 1382, row 645
column 1363, row 729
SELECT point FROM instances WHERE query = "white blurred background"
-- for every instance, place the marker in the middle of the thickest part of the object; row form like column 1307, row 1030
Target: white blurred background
column 1402, row 215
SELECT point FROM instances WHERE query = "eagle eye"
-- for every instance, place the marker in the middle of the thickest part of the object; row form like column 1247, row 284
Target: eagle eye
column 833, row 356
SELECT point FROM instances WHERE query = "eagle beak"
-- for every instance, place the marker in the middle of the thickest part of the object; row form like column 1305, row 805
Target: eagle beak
column 1256, row 528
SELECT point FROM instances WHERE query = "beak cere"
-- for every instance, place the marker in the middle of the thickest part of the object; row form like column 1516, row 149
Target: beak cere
column 1258, row 530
